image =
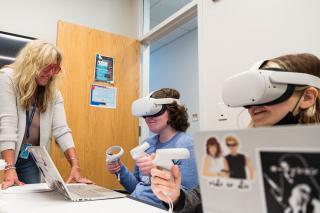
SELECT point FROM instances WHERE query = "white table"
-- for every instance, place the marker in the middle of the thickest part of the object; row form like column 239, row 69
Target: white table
column 35, row 198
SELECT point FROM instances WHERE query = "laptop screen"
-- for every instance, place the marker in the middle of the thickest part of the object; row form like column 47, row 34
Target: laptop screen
column 48, row 170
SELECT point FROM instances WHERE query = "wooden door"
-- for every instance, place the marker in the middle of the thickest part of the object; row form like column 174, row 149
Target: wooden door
column 95, row 129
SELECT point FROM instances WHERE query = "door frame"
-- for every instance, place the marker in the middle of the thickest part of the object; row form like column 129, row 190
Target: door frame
column 174, row 21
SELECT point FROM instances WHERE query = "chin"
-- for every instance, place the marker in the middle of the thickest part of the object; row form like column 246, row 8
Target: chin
column 155, row 131
column 261, row 124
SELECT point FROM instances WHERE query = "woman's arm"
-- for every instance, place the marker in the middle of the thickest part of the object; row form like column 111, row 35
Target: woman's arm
column 10, row 175
column 60, row 129
column 190, row 201
column 8, row 131
column 63, row 136
column 75, row 174
column 8, row 113
column 225, row 172
column 127, row 179
column 250, row 168
column 206, row 167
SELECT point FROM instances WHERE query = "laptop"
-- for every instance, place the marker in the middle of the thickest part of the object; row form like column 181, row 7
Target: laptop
column 73, row 192
column 260, row 170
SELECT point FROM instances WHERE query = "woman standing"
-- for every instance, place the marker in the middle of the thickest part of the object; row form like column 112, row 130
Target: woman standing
column 31, row 111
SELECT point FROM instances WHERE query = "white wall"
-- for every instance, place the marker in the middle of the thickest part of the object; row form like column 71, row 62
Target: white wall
column 235, row 34
column 38, row 18
column 176, row 65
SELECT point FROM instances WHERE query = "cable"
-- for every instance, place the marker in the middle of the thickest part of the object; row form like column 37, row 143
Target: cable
column 169, row 202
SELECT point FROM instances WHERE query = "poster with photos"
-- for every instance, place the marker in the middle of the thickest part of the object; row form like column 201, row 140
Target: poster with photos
column 225, row 165
column 291, row 181
column 104, row 69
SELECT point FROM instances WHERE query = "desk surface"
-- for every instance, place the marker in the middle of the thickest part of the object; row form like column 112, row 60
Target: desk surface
column 37, row 199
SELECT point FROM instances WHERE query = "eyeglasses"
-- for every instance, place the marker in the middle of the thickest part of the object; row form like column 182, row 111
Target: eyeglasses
column 54, row 68
column 232, row 145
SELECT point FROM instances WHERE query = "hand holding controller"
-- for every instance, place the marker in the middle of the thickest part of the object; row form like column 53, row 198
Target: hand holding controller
column 164, row 185
column 143, row 160
column 113, row 160
column 168, row 182
column 139, row 151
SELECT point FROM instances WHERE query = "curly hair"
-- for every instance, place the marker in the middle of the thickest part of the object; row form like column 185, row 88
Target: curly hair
column 300, row 63
column 178, row 115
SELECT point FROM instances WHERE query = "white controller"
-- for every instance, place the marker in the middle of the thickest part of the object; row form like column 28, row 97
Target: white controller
column 164, row 157
column 139, row 151
column 113, row 157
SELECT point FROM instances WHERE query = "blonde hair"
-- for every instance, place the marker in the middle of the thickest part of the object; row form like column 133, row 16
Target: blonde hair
column 231, row 138
column 33, row 58
column 302, row 63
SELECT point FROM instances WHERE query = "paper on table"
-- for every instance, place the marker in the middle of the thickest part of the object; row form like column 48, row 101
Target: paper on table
column 27, row 188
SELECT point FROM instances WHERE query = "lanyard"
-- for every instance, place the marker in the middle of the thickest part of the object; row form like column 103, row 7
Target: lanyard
column 29, row 120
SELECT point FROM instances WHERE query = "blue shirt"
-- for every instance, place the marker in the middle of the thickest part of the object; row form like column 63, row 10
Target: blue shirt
column 139, row 184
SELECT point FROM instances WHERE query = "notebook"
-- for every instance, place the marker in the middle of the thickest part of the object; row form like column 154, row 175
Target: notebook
column 73, row 192
column 262, row 170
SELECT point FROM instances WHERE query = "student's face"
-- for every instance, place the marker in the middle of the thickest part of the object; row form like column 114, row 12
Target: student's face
column 270, row 115
column 46, row 73
column 213, row 150
column 157, row 124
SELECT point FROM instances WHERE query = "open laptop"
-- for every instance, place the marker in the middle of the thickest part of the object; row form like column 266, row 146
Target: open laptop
column 267, row 170
column 73, row 192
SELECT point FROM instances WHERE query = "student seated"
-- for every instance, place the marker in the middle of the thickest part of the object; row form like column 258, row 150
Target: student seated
column 169, row 125
column 299, row 105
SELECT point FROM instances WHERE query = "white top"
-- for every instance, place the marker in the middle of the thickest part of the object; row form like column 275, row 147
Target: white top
column 217, row 164
column 13, row 119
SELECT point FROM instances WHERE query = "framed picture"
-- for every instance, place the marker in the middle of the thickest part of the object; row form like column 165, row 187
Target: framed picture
column 104, row 69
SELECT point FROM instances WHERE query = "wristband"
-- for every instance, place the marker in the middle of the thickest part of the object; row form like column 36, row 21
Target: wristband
column 9, row 167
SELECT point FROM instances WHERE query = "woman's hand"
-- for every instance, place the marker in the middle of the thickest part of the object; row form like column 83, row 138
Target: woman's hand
column 163, row 184
column 113, row 167
column 76, row 176
column 145, row 163
column 10, row 178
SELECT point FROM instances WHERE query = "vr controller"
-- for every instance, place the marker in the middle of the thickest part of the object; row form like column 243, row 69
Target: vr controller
column 139, row 151
column 164, row 157
column 113, row 157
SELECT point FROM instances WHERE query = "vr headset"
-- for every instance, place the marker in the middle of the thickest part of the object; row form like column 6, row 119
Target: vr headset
column 263, row 86
column 151, row 107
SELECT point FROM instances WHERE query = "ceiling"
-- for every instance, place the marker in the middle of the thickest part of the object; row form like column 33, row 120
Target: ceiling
column 162, row 9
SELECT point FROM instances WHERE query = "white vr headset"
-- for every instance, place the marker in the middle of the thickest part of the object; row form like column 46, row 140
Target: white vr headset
column 151, row 107
column 263, row 86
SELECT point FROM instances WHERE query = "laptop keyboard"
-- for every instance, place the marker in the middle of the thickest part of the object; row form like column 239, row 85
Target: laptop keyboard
column 87, row 191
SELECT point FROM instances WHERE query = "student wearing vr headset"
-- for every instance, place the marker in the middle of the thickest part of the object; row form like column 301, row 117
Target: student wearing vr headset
column 281, row 91
column 168, row 119
column 31, row 111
